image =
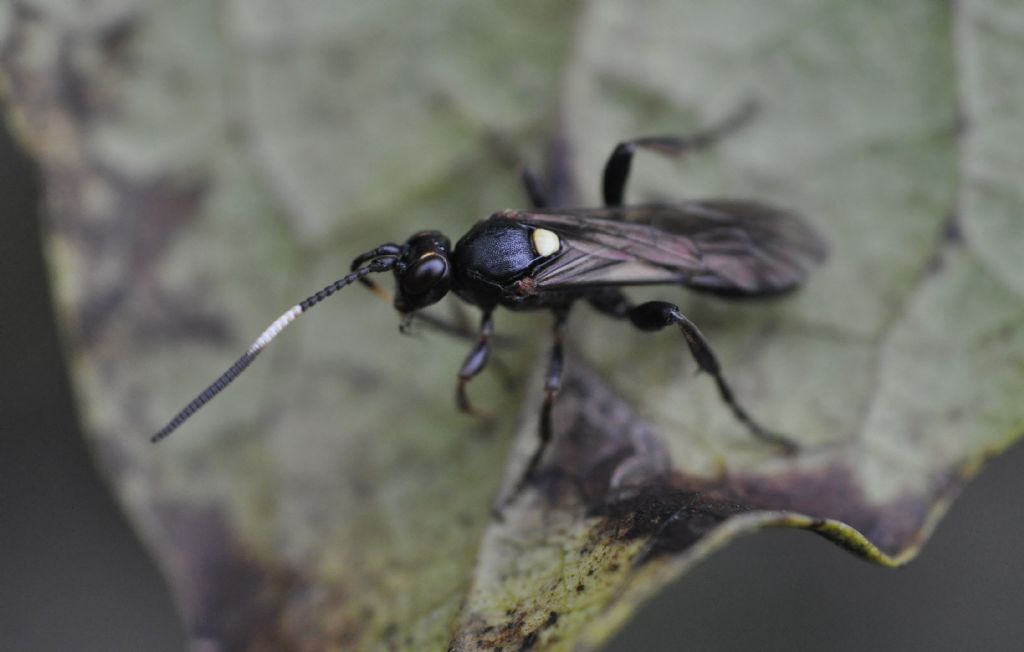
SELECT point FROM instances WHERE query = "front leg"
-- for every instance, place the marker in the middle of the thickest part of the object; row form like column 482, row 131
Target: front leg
column 474, row 363
column 389, row 249
column 655, row 315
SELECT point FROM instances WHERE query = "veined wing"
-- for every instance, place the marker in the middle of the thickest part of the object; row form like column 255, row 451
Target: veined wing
column 726, row 247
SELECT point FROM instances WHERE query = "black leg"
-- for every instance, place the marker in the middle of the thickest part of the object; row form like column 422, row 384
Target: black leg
column 534, row 187
column 474, row 364
column 655, row 315
column 552, row 383
column 616, row 170
column 556, row 188
column 561, row 187
column 460, row 327
column 389, row 249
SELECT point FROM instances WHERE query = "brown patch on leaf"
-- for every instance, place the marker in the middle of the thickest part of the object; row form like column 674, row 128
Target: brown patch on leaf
column 141, row 225
column 677, row 514
column 229, row 597
column 233, row 599
column 950, row 237
column 605, row 456
column 130, row 235
column 672, row 519
column 833, row 493
column 118, row 224
column 601, row 446
column 519, row 631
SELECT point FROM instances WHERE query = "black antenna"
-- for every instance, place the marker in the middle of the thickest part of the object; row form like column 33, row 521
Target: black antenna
column 377, row 265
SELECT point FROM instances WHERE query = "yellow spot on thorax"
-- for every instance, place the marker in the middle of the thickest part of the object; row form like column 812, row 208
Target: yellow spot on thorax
column 545, row 242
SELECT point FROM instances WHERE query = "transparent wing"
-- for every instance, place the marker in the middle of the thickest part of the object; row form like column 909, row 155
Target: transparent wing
column 726, row 247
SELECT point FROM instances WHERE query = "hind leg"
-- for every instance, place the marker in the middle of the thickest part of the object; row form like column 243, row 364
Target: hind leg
column 656, row 315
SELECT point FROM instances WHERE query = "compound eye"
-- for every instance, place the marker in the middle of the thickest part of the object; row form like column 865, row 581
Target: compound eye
column 424, row 274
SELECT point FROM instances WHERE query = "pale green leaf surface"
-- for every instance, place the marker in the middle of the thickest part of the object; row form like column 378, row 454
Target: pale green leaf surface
column 208, row 165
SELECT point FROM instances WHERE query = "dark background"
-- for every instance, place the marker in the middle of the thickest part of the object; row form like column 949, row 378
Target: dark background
column 74, row 577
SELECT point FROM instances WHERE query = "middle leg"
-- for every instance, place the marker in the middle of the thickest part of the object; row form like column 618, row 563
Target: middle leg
column 552, row 383
column 616, row 170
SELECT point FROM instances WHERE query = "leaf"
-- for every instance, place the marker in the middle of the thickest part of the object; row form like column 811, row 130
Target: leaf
column 209, row 165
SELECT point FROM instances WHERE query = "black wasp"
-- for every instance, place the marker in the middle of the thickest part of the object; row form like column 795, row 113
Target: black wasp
column 549, row 258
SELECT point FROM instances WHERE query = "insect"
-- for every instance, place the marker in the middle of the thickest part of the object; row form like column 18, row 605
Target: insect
column 549, row 258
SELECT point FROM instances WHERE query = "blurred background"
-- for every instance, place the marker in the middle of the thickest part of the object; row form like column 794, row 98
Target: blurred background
column 74, row 577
